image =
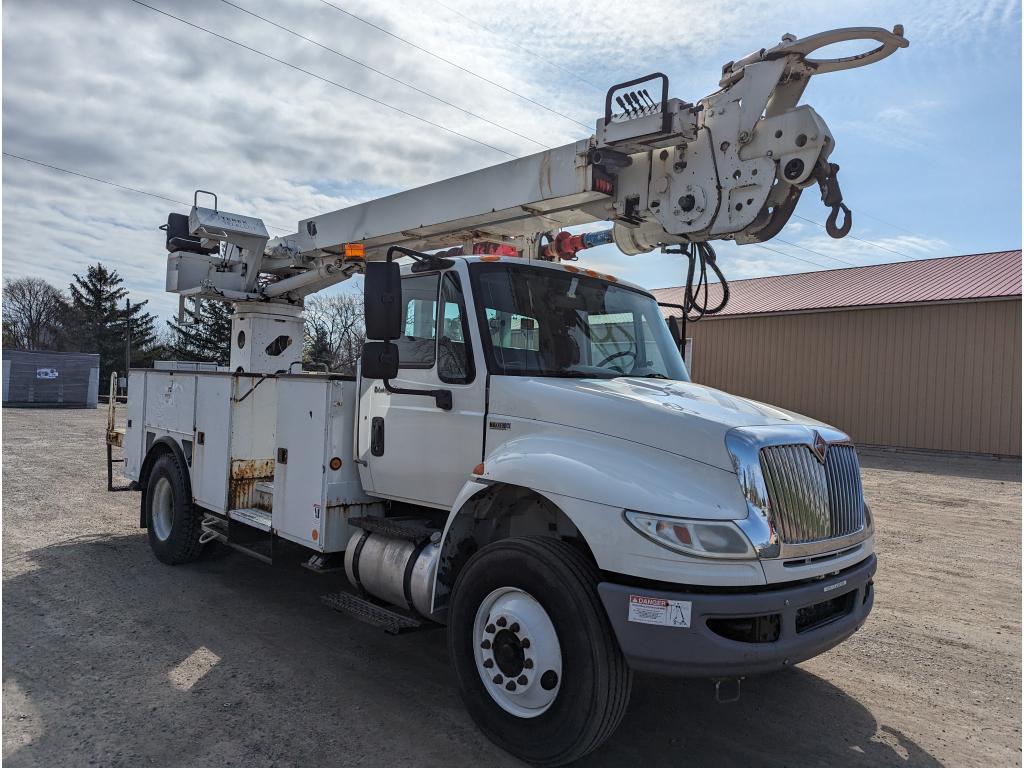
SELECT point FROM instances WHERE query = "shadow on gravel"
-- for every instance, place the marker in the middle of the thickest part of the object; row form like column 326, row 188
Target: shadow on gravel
column 119, row 660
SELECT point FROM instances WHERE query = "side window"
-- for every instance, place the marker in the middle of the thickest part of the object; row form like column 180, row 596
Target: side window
column 454, row 354
column 419, row 335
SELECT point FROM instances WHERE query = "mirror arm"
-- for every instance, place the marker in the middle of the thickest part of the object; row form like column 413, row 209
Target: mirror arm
column 429, row 261
column 442, row 397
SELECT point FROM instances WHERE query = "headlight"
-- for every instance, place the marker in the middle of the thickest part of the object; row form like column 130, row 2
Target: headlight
column 693, row 537
column 869, row 524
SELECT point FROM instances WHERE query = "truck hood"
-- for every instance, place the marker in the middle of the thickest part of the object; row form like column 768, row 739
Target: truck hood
column 676, row 416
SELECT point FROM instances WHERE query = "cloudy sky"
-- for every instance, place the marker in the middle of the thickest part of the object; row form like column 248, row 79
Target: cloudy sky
column 928, row 140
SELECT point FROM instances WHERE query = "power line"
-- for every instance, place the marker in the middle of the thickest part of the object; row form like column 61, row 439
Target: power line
column 384, row 74
column 817, row 253
column 453, row 64
column 322, row 78
column 858, row 239
column 112, row 183
column 791, row 256
column 887, row 223
column 523, row 48
column 93, row 178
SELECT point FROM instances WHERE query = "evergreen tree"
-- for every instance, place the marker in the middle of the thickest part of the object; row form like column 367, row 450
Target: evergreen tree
column 95, row 320
column 205, row 336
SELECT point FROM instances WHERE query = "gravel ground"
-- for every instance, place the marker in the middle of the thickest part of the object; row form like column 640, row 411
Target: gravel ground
column 110, row 658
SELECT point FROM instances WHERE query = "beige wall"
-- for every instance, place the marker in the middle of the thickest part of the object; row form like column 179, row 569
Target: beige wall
column 943, row 377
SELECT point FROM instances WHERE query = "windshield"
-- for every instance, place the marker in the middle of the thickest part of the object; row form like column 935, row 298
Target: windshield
column 545, row 322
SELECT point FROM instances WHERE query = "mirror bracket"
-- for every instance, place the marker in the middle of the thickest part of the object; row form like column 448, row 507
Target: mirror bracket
column 442, row 397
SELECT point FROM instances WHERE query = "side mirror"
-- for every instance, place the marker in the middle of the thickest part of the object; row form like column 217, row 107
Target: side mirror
column 382, row 294
column 380, row 360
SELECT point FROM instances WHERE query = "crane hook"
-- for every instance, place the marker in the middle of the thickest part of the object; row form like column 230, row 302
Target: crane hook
column 830, row 222
column 827, row 176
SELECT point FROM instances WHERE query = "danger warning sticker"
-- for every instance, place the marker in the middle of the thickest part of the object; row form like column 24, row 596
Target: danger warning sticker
column 656, row 610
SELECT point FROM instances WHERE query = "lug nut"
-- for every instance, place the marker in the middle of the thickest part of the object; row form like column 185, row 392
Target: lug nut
column 515, row 626
column 521, row 680
column 498, row 679
column 488, row 663
column 510, row 686
column 502, row 621
column 528, row 663
column 489, row 629
column 525, row 642
column 485, row 644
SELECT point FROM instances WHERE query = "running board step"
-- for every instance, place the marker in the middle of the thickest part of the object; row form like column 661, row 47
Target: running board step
column 256, row 518
column 391, row 621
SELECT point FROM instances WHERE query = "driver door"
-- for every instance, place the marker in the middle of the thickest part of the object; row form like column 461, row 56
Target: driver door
column 415, row 451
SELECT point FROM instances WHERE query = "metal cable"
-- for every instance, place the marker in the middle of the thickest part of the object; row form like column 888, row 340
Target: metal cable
column 523, row 48
column 453, row 64
column 817, row 253
column 322, row 78
column 385, row 74
column 114, row 184
column 858, row 239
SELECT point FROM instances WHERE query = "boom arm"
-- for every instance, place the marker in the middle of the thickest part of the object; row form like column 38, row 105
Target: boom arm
column 664, row 171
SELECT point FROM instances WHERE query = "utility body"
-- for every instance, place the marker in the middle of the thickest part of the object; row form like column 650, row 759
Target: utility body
column 521, row 455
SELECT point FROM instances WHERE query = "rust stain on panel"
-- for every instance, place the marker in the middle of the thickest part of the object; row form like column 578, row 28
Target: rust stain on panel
column 245, row 473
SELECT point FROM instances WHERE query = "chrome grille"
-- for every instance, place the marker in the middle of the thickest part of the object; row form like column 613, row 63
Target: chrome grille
column 811, row 501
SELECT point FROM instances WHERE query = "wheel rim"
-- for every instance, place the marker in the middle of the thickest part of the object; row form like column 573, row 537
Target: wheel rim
column 163, row 508
column 517, row 652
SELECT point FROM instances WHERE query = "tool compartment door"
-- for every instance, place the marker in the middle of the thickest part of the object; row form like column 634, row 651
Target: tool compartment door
column 300, row 466
column 210, row 450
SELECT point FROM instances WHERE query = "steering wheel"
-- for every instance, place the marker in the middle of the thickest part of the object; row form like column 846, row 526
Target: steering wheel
column 616, row 355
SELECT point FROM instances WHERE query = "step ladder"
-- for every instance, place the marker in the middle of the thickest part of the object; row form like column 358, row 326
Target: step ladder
column 392, row 620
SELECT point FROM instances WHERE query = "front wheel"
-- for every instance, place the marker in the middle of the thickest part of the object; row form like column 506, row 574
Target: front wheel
column 536, row 660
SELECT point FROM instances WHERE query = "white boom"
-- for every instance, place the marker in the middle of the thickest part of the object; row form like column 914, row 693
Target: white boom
column 663, row 171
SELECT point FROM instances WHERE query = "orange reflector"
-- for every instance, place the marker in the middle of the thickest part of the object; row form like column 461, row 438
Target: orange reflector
column 478, row 469
column 611, row 278
column 592, row 273
column 569, row 268
column 355, row 251
column 335, row 463
column 490, row 257
column 316, row 534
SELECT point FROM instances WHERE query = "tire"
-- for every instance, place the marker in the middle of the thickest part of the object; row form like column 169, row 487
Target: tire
column 593, row 688
column 172, row 522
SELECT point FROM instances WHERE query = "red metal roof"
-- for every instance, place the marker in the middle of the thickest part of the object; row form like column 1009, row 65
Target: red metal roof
column 953, row 278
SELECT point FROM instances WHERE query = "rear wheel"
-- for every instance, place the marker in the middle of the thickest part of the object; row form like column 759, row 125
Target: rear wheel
column 173, row 523
column 536, row 660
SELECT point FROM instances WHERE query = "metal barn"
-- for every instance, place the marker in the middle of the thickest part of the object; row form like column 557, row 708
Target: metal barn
column 50, row 379
column 922, row 354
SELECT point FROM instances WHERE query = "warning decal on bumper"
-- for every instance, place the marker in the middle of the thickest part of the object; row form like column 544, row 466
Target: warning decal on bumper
column 656, row 610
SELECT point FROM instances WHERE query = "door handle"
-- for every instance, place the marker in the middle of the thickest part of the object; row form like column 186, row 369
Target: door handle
column 377, row 436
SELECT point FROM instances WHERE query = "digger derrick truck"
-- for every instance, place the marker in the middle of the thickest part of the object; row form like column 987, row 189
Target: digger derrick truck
column 521, row 456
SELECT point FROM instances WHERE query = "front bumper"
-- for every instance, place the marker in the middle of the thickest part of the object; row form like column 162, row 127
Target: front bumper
column 669, row 632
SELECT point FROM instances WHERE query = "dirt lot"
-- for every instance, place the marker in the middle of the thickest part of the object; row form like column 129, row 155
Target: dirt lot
column 110, row 658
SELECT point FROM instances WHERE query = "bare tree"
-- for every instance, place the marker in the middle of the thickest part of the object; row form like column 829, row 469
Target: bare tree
column 32, row 311
column 334, row 331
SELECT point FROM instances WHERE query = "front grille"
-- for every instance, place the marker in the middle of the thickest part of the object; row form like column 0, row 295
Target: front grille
column 811, row 501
